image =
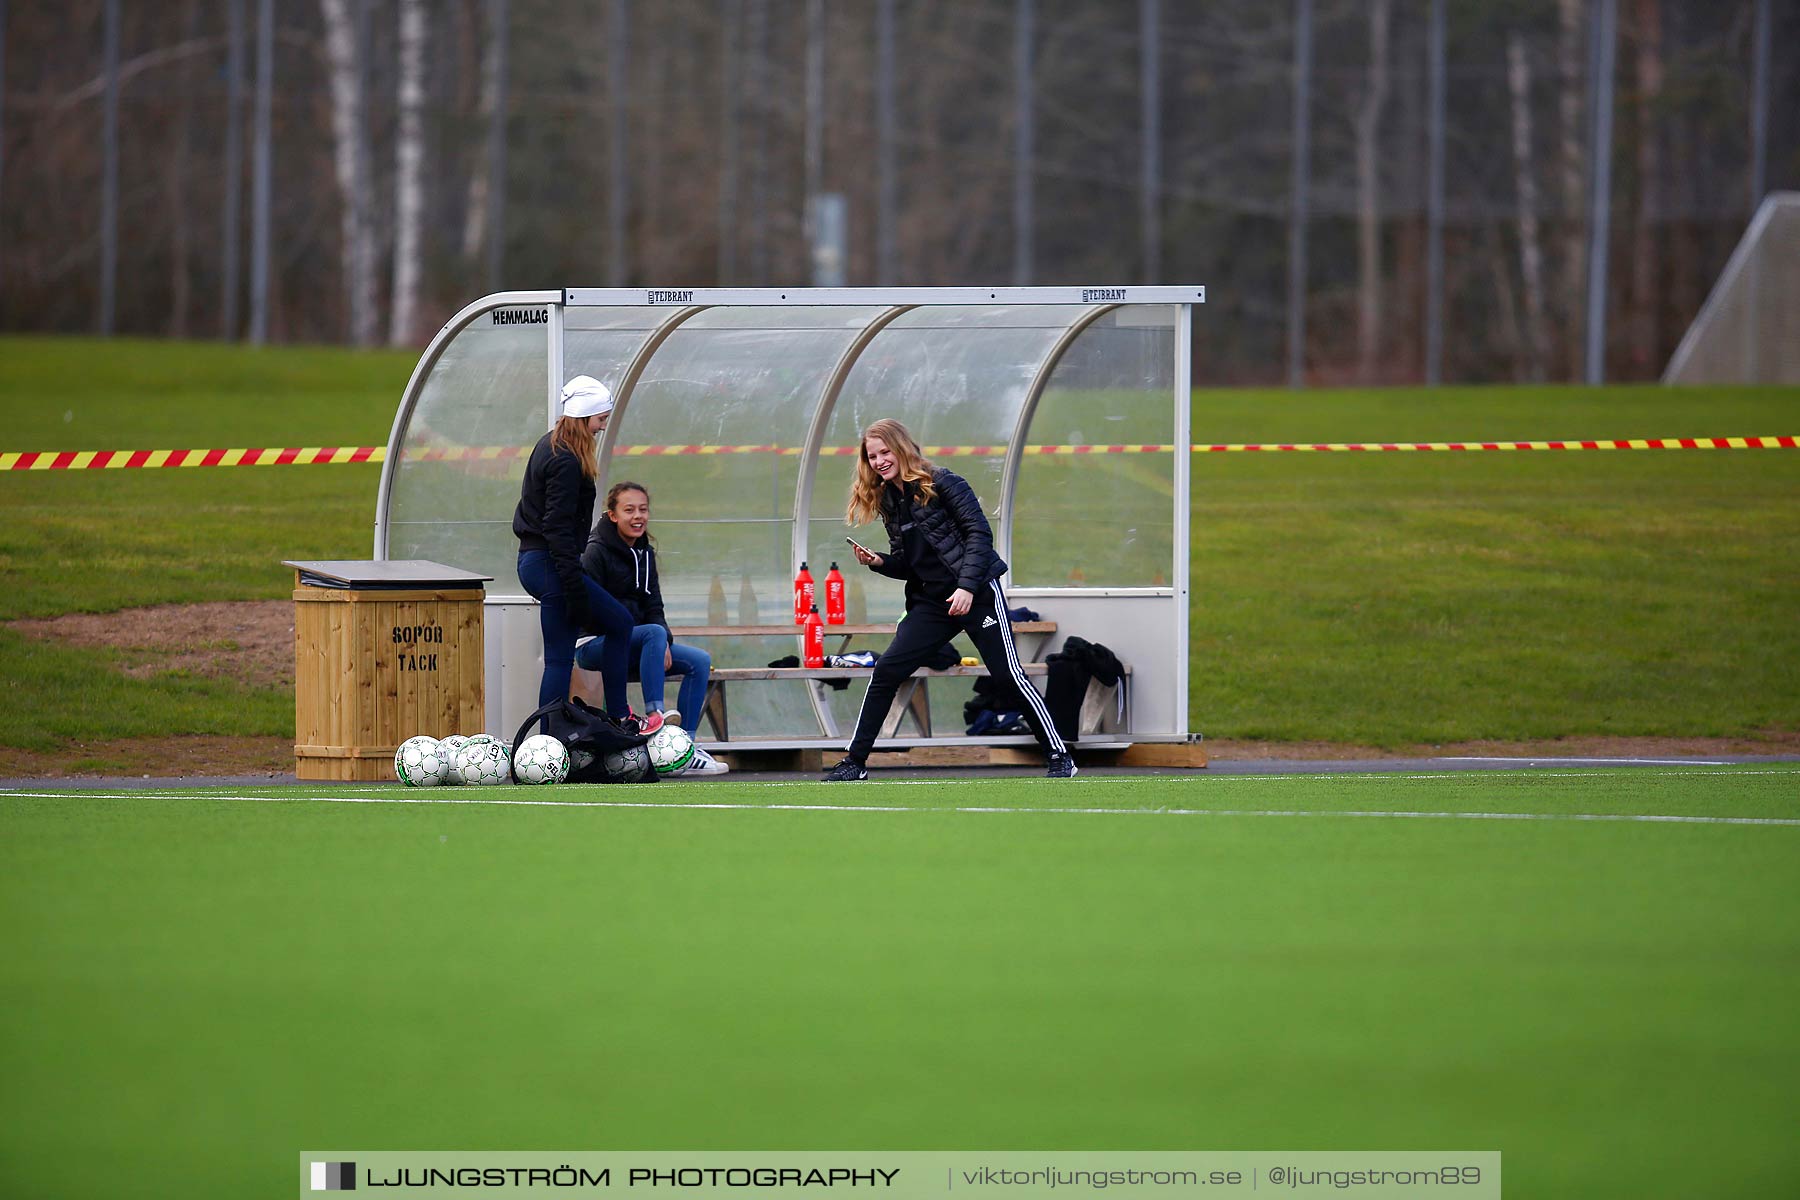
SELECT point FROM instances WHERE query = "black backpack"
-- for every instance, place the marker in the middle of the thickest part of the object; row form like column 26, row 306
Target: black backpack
column 591, row 736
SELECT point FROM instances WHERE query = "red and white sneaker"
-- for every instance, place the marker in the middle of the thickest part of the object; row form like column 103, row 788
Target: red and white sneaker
column 642, row 726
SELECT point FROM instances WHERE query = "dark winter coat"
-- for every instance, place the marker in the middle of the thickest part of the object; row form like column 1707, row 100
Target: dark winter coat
column 953, row 524
column 628, row 572
column 1066, row 683
column 555, row 512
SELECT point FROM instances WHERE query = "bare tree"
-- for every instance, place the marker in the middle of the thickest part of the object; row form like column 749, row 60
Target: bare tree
column 1531, row 253
column 1368, row 214
column 409, row 174
column 475, row 213
column 1522, row 140
column 343, row 55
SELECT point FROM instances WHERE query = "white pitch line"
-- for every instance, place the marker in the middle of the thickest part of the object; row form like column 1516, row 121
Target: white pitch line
column 1655, row 762
column 1651, row 818
column 471, row 795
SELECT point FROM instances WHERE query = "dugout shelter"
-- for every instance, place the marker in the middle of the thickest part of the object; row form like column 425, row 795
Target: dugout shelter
column 740, row 410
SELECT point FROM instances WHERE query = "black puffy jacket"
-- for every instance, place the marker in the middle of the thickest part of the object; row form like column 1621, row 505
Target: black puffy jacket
column 555, row 513
column 954, row 526
column 628, row 572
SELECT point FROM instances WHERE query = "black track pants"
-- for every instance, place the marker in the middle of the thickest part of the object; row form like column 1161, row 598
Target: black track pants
column 929, row 626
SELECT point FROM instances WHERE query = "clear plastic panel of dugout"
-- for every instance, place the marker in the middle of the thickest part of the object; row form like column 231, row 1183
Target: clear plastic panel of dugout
column 958, row 378
column 714, row 430
column 1094, row 504
column 455, row 476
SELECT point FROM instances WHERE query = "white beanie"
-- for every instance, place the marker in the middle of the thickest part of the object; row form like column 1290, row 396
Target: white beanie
column 585, row 396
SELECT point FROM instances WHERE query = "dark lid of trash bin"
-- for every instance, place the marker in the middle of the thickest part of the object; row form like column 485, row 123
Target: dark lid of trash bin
column 388, row 573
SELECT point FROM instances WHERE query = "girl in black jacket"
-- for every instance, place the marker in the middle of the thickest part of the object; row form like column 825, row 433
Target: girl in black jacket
column 622, row 556
column 940, row 543
column 555, row 512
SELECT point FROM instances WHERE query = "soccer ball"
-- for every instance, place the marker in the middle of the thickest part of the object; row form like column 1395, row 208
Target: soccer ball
column 630, row 765
column 482, row 760
column 541, row 759
column 671, row 750
column 421, row 762
column 448, row 749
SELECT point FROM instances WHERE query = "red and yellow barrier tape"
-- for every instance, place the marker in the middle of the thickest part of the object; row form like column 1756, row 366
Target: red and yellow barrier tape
column 77, row 460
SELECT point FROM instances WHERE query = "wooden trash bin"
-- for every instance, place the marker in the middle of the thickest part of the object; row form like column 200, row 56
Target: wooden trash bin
column 383, row 651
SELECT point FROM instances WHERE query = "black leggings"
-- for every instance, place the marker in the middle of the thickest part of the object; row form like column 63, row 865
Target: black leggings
column 927, row 627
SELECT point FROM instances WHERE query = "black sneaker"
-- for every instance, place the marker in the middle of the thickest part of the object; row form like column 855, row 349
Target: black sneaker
column 848, row 771
column 1060, row 766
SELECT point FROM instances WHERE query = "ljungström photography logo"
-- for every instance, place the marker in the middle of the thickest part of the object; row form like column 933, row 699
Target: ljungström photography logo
column 334, row 1177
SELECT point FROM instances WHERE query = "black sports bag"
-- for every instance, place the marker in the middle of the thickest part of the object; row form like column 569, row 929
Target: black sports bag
column 591, row 737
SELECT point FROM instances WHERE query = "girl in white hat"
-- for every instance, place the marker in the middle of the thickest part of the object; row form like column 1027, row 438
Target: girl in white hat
column 552, row 521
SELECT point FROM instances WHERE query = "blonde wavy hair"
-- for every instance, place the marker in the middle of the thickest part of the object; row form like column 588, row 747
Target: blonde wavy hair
column 571, row 434
column 865, row 485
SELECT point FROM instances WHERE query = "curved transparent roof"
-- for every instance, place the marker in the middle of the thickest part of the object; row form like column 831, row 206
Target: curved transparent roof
column 714, row 429
column 736, row 414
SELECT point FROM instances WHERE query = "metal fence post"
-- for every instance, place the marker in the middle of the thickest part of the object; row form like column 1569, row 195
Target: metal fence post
column 1434, row 205
column 1759, row 105
column 109, row 173
column 1296, row 316
column 618, row 25
column 1600, row 197
column 1023, row 13
column 886, row 191
column 1150, row 95
column 234, row 167
column 259, row 183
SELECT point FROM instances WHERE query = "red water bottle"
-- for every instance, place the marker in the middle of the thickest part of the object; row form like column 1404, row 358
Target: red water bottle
column 813, row 654
column 834, row 596
column 803, row 594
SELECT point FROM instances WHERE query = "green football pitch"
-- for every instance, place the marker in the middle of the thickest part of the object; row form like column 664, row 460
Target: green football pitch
column 1595, row 972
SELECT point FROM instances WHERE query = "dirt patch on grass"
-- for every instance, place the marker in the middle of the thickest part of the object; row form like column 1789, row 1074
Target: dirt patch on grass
column 251, row 641
column 161, row 758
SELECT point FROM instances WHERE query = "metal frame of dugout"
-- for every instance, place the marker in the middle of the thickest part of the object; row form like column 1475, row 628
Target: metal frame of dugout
column 1065, row 407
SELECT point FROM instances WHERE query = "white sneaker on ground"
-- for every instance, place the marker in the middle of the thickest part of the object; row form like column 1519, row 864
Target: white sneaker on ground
column 671, row 716
column 705, row 764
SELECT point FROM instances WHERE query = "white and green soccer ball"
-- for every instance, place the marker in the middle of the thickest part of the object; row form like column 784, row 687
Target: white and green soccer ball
column 671, row 750
column 541, row 758
column 449, row 748
column 482, row 761
column 421, row 762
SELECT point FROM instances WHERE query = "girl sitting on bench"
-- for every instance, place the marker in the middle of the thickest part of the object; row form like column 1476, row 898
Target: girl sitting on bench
column 621, row 556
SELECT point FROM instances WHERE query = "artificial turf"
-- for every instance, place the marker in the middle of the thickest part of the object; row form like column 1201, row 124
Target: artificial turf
column 199, row 984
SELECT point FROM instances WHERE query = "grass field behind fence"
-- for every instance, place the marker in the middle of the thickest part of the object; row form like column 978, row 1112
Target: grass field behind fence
column 198, row 984
column 1385, row 599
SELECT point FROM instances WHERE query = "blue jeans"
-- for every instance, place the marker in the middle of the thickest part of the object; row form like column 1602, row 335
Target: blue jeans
column 605, row 615
column 647, row 644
